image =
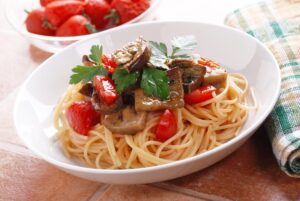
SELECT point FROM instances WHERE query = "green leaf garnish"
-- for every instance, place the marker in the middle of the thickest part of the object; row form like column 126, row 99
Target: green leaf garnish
column 124, row 79
column 159, row 48
column 182, row 56
column 96, row 53
column 159, row 54
column 91, row 28
column 183, row 43
column 85, row 73
column 180, row 44
column 155, row 82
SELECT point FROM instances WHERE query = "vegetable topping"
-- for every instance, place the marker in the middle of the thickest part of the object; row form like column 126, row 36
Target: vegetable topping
column 199, row 95
column 126, row 121
column 140, row 78
column 82, row 116
column 150, row 103
column 167, row 126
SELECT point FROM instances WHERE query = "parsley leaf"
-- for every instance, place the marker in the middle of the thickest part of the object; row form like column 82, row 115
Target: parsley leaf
column 180, row 44
column 159, row 54
column 96, row 53
column 124, row 79
column 155, row 82
column 183, row 43
column 181, row 56
column 159, row 48
column 85, row 73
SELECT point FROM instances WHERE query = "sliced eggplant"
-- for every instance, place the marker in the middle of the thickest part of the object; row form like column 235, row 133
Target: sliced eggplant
column 192, row 73
column 134, row 56
column 126, row 121
column 87, row 89
column 215, row 76
column 176, row 100
column 192, row 78
column 182, row 63
column 101, row 107
column 86, row 61
column 128, row 97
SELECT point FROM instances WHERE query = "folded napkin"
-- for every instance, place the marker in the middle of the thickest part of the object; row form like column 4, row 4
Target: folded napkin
column 277, row 25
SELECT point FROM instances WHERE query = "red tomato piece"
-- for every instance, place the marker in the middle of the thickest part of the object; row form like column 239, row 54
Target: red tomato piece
column 128, row 9
column 82, row 117
column 109, row 63
column 37, row 23
column 199, row 95
column 167, row 126
column 57, row 12
column 75, row 26
column 208, row 63
column 106, row 89
column 97, row 10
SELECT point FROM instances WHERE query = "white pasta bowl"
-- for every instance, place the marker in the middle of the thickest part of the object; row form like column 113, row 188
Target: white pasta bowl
column 16, row 16
column 237, row 51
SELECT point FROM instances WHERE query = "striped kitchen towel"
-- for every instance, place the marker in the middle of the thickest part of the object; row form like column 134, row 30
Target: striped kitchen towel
column 277, row 24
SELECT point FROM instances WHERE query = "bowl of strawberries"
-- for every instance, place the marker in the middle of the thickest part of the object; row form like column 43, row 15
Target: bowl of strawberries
column 54, row 24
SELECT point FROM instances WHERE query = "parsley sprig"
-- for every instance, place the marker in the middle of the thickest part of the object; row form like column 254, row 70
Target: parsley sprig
column 180, row 45
column 85, row 74
column 123, row 79
column 155, row 82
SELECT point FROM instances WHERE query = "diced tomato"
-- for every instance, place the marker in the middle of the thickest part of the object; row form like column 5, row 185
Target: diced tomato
column 109, row 63
column 208, row 63
column 106, row 89
column 57, row 12
column 82, row 117
column 37, row 23
column 167, row 126
column 199, row 95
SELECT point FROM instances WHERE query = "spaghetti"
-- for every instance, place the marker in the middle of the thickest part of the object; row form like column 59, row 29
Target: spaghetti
column 200, row 127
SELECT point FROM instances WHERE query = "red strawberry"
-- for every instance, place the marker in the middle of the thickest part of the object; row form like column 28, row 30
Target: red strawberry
column 82, row 117
column 57, row 12
column 37, row 23
column 97, row 10
column 75, row 26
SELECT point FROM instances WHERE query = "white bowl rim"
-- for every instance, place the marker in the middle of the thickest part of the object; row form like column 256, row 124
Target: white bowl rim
column 239, row 137
column 72, row 38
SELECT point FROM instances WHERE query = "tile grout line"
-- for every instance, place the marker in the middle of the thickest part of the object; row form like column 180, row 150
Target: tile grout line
column 9, row 95
column 188, row 192
column 99, row 192
column 17, row 149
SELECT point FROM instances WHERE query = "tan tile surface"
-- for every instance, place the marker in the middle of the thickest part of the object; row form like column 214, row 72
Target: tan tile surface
column 18, row 60
column 7, row 130
column 251, row 173
column 142, row 193
column 27, row 178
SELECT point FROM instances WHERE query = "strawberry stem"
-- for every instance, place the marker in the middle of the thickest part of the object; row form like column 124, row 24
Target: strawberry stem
column 27, row 11
column 91, row 28
column 114, row 16
column 47, row 24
